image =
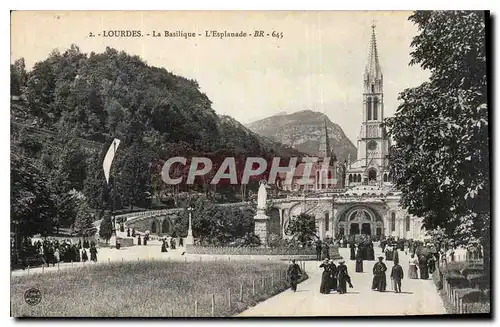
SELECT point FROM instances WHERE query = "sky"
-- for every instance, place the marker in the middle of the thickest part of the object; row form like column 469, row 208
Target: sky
column 317, row 64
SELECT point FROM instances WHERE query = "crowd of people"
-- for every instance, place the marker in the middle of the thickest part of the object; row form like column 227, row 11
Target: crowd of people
column 173, row 244
column 423, row 259
column 325, row 248
column 334, row 277
column 51, row 251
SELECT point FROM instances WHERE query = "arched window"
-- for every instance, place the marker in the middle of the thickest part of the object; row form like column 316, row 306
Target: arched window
column 407, row 223
column 373, row 88
column 393, row 221
column 359, row 178
column 385, row 177
column 165, row 227
column 369, row 108
column 327, row 221
column 350, row 178
column 153, row 228
column 375, row 109
column 372, row 175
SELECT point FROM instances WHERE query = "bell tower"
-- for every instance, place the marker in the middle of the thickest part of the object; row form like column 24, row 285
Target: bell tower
column 373, row 145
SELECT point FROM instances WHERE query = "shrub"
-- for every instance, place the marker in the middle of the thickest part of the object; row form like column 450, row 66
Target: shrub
column 437, row 279
column 472, row 295
column 457, row 281
column 274, row 240
column 290, row 251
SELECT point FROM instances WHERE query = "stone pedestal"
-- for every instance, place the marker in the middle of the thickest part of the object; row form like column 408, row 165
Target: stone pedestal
column 189, row 238
column 261, row 228
column 334, row 252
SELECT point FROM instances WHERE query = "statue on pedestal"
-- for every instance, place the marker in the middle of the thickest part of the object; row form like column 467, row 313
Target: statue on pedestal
column 262, row 196
column 261, row 228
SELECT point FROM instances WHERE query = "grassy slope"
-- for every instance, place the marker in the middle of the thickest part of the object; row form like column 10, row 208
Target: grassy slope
column 152, row 289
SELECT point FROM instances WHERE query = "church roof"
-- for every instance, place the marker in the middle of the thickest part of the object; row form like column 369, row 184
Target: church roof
column 300, row 170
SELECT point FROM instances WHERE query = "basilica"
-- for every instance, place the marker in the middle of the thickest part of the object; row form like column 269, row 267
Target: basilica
column 364, row 202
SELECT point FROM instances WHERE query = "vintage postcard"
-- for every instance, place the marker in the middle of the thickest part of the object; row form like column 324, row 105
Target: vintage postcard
column 249, row 164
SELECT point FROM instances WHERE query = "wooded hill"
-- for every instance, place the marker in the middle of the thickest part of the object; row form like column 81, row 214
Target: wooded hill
column 72, row 100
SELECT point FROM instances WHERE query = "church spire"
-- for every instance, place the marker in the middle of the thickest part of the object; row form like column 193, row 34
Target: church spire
column 324, row 143
column 373, row 72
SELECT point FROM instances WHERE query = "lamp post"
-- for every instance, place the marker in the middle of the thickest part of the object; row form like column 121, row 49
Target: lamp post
column 189, row 238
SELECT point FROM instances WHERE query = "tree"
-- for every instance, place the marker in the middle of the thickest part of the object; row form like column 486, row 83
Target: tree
column 32, row 209
column 133, row 175
column 94, row 186
column 84, row 219
column 440, row 160
column 18, row 77
column 106, row 228
column 303, row 228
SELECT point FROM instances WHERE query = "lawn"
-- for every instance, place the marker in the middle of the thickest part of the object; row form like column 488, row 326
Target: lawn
column 149, row 289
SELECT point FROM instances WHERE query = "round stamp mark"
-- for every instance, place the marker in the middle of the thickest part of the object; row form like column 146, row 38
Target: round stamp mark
column 33, row 296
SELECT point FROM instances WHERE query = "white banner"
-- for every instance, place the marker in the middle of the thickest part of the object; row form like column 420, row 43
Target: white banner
column 108, row 159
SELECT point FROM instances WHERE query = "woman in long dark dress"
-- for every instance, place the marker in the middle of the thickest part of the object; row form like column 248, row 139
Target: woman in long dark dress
column 85, row 257
column 371, row 252
column 359, row 261
column 324, row 288
column 431, row 263
column 93, row 254
column 343, row 278
column 333, row 275
column 379, row 279
column 395, row 256
column 353, row 251
column 422, row 266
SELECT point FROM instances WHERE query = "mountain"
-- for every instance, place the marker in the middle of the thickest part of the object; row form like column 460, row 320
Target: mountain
column 302, row 130
column 234, row 130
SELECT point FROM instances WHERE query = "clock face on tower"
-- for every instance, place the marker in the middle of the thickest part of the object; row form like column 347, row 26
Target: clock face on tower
column 372, row 145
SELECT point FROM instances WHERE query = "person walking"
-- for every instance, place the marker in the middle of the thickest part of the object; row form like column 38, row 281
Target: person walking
column 379, row 282
column 412, row 271
column 352, row 248
column 422, row 266
column 93, row 254
column 396, row 276
column 370, row 252
column 85, row 257
column 318, row 250
column 294, row 274
column 324, row 286
column 333, row 275
column 359, row 261
column 431, row 263
column 343, row 278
